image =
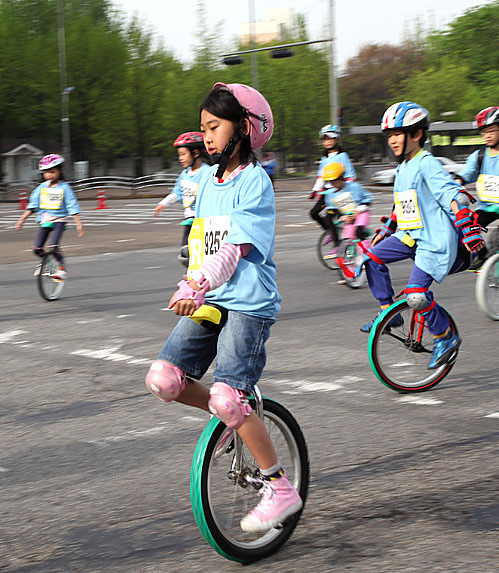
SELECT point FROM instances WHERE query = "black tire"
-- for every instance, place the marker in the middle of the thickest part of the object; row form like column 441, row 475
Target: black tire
column 400, row 361
column 323, row 250
column 487, row 287
column 48, row 287
column 220, row 501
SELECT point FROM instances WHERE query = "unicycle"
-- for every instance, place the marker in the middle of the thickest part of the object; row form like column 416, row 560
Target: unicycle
column 225, row 481
column 399, row 355
column 49, row 287
column 325, row 246
column 487, row 282
column 348, row 260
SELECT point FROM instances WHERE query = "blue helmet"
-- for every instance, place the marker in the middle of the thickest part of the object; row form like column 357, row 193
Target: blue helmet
column 405, row 115
column 332, row 131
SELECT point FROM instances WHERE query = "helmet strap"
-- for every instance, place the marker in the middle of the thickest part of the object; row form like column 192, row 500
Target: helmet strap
column 401, row 157
column 223, row 158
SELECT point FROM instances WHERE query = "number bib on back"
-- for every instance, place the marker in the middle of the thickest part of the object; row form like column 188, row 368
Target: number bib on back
column 487, row 187
column 344, row 202
column 206, row 237
column 51, row 198
column 407, row 210
column 189, row 191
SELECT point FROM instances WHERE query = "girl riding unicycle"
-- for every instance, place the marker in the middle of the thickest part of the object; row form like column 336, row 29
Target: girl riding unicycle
column 231, row 269
column 193, row 157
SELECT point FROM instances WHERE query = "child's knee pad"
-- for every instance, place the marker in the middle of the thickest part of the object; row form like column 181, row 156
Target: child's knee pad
column 228, row 405
column 165, row 380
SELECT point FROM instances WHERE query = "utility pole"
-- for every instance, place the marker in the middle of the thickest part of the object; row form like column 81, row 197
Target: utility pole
column 254, row 65
column 65, row 91
column 333, row 92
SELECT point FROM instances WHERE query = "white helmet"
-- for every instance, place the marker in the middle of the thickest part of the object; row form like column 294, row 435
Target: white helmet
column 49, row 161
column 405, row 115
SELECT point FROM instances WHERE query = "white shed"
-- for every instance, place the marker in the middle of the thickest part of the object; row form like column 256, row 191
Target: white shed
column 21, row 163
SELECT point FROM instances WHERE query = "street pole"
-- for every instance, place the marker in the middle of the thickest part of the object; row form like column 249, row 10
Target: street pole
column 333, row 92
column 254, row 65
column 66, row 142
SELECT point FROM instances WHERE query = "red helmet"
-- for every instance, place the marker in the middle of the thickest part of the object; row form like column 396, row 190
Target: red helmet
column 190, row 139
column 488, row 116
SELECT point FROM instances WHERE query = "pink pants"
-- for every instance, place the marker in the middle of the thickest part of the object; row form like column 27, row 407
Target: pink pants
column 350, row 229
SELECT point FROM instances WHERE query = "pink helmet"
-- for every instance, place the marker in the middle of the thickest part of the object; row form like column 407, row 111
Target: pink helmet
column 258, row 109
column 488, row 116
column 49, row 161
column 190, row 139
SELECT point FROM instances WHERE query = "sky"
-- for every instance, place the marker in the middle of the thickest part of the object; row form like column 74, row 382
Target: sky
column 357, row 22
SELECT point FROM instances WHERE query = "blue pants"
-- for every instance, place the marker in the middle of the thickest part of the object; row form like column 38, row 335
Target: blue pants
column 390, row 250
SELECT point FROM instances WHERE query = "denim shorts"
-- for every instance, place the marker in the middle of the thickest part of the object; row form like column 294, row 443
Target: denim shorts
column 239, row 349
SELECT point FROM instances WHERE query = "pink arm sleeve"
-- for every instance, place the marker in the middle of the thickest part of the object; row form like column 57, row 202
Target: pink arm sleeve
column 222, row 265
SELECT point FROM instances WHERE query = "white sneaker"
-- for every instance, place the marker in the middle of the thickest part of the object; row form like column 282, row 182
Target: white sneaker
column 38, row 270
column 60, row 274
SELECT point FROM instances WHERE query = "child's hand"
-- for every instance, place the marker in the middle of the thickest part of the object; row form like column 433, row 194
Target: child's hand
column 158, row 209
column 19, row 225
column 184, row 307
column 377, row 239
column 350, row 218
column 79, row 230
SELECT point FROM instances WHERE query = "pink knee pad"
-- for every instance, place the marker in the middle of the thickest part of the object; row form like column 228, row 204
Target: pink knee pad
column 228, row 405
column 165, row 380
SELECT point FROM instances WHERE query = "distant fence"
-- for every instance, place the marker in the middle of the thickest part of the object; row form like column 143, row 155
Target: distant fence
column 126, row 183
column 114, row 185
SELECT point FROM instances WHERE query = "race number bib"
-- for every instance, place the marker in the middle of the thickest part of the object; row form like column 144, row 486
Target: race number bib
column 344, row 202
column 51, row 198
column 189, row 191
column 206, row 237
column 407, row 210
column 487, row 187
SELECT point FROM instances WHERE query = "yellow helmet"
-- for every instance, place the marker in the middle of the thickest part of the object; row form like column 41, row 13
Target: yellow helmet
column 333, row 171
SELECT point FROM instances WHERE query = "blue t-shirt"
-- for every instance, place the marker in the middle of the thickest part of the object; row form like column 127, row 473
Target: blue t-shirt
column 337, row 157
column 241, row 211
column 423, row 192
column 186, row 188
column 486, row 176
column 351, row 196
column 57, row 200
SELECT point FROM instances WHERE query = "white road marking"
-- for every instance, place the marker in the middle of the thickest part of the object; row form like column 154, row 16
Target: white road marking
column 419, row 400
column 130, row 435
column 3, row 469
column 494, row 415
column 124, row 240
column 125, row 315
column 6, row 337
column 111, row 354
column 88, row 321
column 146, row 268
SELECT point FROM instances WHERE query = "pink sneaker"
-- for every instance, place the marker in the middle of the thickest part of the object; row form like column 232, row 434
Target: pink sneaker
column 280, row 500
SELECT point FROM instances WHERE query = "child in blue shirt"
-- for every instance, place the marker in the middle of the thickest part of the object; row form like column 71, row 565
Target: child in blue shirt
column 346, row 200
column 482, row 166
column 330, row 136
column 53, row 200
column 231, row 247
column 194, row 159
column 429, row 218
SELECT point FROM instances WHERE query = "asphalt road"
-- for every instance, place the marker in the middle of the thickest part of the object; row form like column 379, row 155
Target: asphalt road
column 94, row 471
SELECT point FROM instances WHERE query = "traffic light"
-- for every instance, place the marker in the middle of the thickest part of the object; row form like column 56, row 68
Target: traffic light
column 232, row 60
column 282, row 53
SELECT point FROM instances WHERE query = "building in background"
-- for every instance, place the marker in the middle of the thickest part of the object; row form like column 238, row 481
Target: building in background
column 268, row 30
